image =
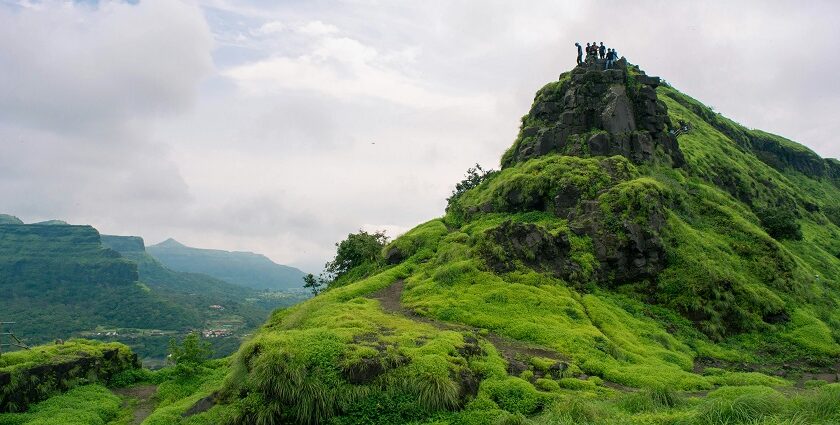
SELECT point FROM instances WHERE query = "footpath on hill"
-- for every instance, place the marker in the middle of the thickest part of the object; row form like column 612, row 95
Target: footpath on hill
column 145, row 403
column 516, row 353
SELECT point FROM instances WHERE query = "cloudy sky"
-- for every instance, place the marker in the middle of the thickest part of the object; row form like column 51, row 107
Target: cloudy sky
column 280, row 126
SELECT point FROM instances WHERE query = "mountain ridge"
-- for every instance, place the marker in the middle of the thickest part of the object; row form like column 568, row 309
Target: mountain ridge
column 237, row 267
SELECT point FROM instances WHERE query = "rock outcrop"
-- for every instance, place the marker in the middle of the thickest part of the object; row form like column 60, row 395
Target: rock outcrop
column 595, row 112
column 36, row 381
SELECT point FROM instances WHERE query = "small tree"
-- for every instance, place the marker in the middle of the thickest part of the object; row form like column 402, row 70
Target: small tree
column 359, row 249
column 473, row 178
column 190, row 354
column 313, row 283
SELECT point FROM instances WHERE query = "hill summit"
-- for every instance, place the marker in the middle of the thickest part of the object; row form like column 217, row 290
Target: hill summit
column 639, row 258
column 591, row 111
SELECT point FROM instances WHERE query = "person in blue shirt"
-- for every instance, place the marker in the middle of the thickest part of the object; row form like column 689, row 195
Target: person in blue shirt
column 580, row 54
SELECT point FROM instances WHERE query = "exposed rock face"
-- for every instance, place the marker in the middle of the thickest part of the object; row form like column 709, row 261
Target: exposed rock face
column 532, row 245
column 623, row 224
column 617, row 115
column 628, row 250
column 596, row 112
column 394, row 255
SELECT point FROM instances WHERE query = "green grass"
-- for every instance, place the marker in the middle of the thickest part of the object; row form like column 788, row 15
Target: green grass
column 86, row 405
column 47, row 370
column 56, row 353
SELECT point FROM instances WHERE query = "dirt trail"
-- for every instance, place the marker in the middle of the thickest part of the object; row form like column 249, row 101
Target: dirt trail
column 513, row 351
column 516, row 352
column 145, row 404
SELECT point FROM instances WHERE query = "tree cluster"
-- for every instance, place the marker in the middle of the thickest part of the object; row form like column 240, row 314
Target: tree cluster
column 362, row 249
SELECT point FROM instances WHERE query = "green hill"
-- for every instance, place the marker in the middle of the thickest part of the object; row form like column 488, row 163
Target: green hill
column 9, row 219
column 241, row 268
column 58, row 280
column 197, row 289
column 243, row 309
column 638, row 259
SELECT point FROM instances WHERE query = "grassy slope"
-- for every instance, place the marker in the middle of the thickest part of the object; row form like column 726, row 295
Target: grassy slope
column 86, row 405
column 725, row 275
column 57, row 353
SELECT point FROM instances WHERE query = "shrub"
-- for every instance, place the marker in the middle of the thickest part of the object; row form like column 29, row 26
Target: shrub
column 515, row 395
column 780, row 223
column 358, row 251
column 473, row 178
column 129, row 377
column 739, row 405
column 191, row 354
column 573, row 411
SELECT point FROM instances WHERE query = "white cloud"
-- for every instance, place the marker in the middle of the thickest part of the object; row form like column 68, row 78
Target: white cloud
column 316, row 28
column 321, row 119
column 272, row 27
column 95, row 70
column 347, row 69
column 81, row 88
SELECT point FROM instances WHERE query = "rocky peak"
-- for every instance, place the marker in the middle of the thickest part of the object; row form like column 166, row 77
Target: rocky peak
column 591, row 111
column 170, row 243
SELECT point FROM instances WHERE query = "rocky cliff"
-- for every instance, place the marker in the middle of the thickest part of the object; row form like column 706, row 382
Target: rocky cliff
column 595, row 112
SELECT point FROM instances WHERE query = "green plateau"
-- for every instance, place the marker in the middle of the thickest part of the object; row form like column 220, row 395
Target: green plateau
column 638, row 259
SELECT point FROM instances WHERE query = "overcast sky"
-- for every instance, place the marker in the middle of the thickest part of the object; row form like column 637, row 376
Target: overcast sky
column 280, row 126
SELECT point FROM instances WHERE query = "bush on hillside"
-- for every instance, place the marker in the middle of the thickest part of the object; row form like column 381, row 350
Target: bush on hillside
column 833, row 214
column 191, row 354
column 359, row 249
column 472, row 179
column 780, row 223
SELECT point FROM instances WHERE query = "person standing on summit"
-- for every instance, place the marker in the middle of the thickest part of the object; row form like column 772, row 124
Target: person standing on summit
column 611, row 57
column 602, row 50
column 580, row 54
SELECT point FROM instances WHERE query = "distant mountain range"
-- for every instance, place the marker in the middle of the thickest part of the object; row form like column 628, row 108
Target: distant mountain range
column 58, row 281
column 241, row 268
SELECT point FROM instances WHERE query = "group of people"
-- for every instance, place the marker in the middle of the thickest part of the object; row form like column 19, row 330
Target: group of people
column 594, row 51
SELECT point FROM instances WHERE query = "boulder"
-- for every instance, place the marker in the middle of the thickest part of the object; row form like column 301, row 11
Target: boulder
column 394, row 255
column 648, row 80
column 599, row 144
